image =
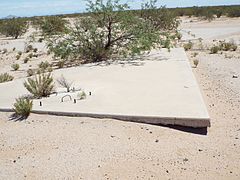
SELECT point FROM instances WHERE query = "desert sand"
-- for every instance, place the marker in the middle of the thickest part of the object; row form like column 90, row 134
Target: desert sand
column 49, row 147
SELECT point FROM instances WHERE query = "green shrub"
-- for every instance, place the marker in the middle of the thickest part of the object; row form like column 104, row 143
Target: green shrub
column 40, row 86
column 15, row 67
column 23, row 107
column 5, row 77
column 214, row 50
column 195, row 62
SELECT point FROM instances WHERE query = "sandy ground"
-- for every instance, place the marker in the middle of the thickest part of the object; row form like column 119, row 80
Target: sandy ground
column 48, row 147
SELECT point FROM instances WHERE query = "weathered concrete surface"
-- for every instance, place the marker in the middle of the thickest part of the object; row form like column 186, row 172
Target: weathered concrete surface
column 160, row 89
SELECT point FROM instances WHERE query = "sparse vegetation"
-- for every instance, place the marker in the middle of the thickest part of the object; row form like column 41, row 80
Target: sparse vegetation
column 214, row 49
column 23, row 107
column 13, row 27
column 110, row 31
column 52, row 25
column 40, row 86
column 5, row 77
column 62, row 81
column 18, row 57
column 82, row 95
column 44, row 65
column 188, row 46
column 15, row 67
column 30, row 72
column 195, row 62
column 26, row 60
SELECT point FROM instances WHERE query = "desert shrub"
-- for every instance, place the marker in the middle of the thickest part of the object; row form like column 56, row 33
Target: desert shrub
column 30, row 55
column 195, row 62
column 214, row 49
column 40, row 86
column 23, row 107
column 20, row 53
column 14, row 49
column 35, row 50
column 13, row 27
column 18, row 56
column 30, row 72
column 62, row 81
column 26, row 60
column 5, row 77
column 188, row 46
column 110, row 31
column 28, row 48
column 234, row 12
column 82, row 95
column 161, row 18
column 15, row 67
column 179, row 35
column 60, row 64
column 228, row 46
column 195, row 54
column 53, row 25
column 44, row 65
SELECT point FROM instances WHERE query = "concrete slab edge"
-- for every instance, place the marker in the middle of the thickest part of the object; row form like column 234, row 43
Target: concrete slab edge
column 187, row 122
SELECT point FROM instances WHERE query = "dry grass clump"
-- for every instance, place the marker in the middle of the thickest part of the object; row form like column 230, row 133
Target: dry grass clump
column 62, row 81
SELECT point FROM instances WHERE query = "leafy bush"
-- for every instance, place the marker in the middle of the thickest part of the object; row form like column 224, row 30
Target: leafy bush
column 62, row 81
column 214, row 49
column 5, row 77
column 40, row 86
column 13, row 27
column 23, row 107
column 15, row 67
column 109, row 31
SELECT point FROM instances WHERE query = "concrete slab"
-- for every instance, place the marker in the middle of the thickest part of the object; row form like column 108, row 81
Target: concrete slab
column 160, row 89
